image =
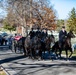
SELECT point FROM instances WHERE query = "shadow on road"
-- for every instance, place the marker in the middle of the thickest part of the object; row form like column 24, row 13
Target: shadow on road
column 22, row 56
column 11, row 59
column 36, row 67
column 41, row 66
column 73, row 58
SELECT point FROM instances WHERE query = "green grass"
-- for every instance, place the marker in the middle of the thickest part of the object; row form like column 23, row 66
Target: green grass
column 2, row 73
column 74, row 53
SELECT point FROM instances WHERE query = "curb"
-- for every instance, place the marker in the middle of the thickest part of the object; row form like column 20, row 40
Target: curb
column 4, row 70
column 9, row 71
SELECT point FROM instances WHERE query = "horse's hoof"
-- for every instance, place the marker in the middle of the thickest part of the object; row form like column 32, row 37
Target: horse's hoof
column 69, row 56
column 32, row 58
column 39, row 59
column 24, row 54
column 67, row 59
column 56, row 57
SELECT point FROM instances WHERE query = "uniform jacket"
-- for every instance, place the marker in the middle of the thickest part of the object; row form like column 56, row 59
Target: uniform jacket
column 62, row 35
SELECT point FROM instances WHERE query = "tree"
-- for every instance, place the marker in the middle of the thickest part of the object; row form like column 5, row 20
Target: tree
column 31, row 12
column 60, row 22
column 49, row 19
column 17, row 13
column 71, row 22
column 43, row 16
column 8, row 26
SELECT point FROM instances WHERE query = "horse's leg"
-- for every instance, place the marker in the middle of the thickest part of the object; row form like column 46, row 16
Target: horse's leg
column 15, row 48
column 49, row 50
column 44, row 52
column 20, row 49
column 56, row 52
column 5, row 42
column 43, row 47
column 66, row 50
column 40, row 54
column 71, row 52
column 2, row 42
column 60, row 52
column 33, row 53
column 60, row 48
column 28, row 52
column 24, row 51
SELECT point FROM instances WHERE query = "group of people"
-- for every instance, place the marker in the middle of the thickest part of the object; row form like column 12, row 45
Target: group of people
column 39, row 33
column 43, row 33
column 39, row 39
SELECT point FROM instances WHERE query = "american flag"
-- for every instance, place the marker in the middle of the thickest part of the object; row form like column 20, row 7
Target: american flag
column 17, row 37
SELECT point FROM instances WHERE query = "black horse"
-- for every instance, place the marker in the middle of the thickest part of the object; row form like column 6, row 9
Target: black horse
column 65, row 46
column 36, row 46
column 33, row 47
column 46, row 44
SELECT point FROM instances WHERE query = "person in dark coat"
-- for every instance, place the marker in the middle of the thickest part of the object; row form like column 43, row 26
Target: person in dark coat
column 32, row 33
column 44, row 33
column 38, row 32
column 62, row 35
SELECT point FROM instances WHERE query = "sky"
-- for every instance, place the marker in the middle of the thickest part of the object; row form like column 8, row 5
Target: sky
column 2, row 13
column 63, row 7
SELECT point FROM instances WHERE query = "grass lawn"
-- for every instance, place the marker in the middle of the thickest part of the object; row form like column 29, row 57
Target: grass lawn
column 74, row 53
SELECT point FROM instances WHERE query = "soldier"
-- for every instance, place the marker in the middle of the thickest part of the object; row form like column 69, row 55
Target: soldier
column 32, row 33
column 44, row 33
column 62, row 35
column 38, row 32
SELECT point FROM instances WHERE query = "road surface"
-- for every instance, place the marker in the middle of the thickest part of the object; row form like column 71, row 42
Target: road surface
column 17, row 64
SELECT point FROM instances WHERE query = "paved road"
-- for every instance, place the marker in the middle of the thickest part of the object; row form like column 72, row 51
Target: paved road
column 17, row 64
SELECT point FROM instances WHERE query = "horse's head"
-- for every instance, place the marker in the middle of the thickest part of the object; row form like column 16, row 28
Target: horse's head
column 68, row 39
column 49, row 39
column 52, row 38
column 70, row 34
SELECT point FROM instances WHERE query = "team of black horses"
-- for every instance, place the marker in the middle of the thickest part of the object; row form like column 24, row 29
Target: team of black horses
column 36, row 46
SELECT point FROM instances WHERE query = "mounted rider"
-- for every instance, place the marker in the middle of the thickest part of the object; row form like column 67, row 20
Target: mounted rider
column 38, row 32
column 62, row 35
column 32, row 33
column 44, row 33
